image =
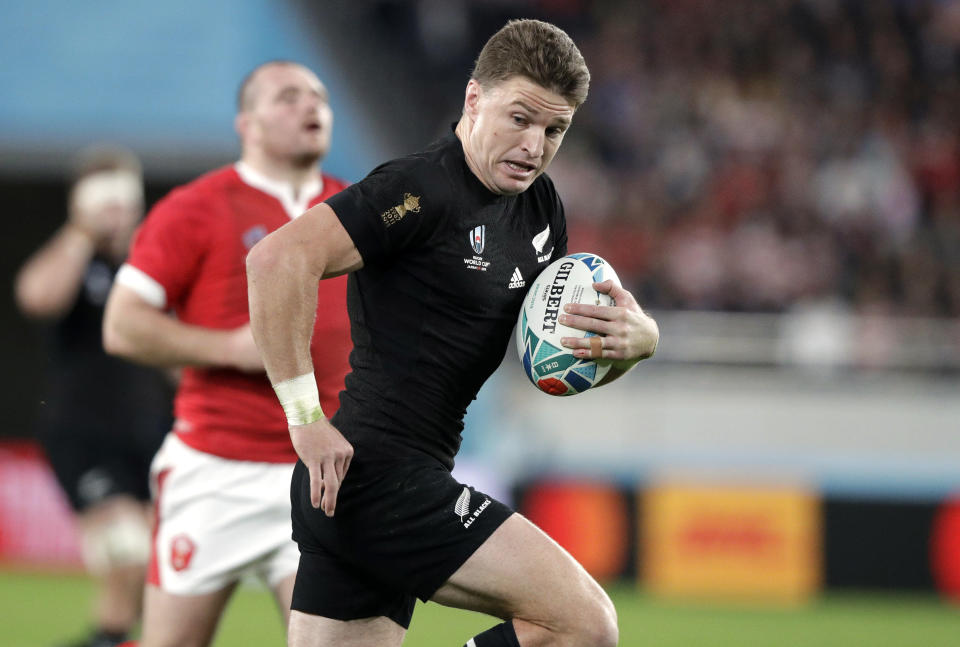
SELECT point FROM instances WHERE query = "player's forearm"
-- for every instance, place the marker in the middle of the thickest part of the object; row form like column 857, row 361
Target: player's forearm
column 139, row 332
column 48, row 283
column 282, row 295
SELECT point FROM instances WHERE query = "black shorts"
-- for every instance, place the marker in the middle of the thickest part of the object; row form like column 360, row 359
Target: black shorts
column 402, row 527
column 92, row 463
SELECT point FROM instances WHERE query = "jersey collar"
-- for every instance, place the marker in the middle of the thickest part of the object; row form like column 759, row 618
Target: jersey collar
column 281, row 190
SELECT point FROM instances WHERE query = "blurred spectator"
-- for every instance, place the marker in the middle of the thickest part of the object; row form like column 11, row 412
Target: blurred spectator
column 103, row 418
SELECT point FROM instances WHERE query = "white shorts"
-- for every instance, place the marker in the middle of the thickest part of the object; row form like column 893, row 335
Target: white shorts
column 218, row 520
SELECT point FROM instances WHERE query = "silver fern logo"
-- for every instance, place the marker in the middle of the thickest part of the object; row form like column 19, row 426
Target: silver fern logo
column 462, row 508
column 539, row 242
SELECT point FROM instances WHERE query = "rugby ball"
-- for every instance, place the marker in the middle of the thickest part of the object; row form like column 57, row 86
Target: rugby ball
column 550, row 366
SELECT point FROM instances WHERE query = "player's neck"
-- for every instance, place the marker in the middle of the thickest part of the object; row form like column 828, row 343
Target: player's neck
column 462, row 131
column 286, row 172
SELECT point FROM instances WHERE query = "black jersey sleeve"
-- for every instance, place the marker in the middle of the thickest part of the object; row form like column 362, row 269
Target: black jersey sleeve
column 398, row 206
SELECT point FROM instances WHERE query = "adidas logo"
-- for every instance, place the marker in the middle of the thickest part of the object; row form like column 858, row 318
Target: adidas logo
column 516, row 281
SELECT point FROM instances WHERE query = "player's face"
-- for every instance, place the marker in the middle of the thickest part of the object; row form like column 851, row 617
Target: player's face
column 517, row 127
column 290, row 117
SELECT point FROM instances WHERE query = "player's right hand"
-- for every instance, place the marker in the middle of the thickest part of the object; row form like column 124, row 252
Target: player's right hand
column 326, row 454
column 102, row 222
column 241, row 351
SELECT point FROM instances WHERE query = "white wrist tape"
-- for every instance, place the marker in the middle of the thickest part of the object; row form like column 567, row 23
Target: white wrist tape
column 300, row 399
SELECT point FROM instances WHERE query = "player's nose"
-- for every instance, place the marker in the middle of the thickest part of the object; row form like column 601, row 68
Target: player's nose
column 532, row 142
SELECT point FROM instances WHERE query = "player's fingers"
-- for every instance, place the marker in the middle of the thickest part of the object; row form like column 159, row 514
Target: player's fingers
column 604, row 287
column 316, row 485
column 596, row 347
column 342, row 460
column 621, row 296
column 586, row 321
column 331, row 486
column 586, row 310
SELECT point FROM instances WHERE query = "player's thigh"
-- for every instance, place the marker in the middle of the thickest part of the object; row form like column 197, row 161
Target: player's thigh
column 171, row 620
column 119, row 508
column 217, row 519
column 306, row 630
column 283, row 594
column 520, row 572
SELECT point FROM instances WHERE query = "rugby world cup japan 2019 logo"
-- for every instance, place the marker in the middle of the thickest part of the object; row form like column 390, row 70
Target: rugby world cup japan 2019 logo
column 478, row 238
column 478, row 241
column 181, row 552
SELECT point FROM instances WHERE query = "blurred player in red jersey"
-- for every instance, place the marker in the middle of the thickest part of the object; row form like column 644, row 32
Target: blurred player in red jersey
column 103, row 418
column 221, row 481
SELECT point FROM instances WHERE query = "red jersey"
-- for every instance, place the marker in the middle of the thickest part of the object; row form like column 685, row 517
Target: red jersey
column 189, row 256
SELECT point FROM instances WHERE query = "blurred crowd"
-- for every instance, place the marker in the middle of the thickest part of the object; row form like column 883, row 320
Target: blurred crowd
column 754, row 155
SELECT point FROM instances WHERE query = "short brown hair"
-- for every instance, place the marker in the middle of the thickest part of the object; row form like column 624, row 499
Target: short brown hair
column 542, row 52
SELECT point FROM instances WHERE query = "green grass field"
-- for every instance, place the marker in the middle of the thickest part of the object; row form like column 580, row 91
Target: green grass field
column 38, row 610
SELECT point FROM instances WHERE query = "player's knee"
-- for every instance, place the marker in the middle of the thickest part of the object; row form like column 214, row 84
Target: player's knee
column 598, row 626
column 118, row 543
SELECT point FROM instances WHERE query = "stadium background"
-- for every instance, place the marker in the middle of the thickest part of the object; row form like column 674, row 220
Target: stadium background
column 777, row 181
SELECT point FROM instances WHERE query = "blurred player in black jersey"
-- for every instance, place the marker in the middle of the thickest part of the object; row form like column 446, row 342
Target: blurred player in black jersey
column 103, row 418
column 440, row 246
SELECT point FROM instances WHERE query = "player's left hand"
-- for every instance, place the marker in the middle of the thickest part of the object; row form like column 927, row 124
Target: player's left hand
column 629, row 334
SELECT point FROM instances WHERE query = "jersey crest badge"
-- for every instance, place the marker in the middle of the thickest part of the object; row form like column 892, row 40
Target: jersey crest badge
column 539, row 242
column 253, row 236
column 393, row 215
column 478, row 238
column 181, row 552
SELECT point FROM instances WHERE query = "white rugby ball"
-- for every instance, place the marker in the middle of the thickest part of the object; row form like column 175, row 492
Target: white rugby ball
column 550, row 366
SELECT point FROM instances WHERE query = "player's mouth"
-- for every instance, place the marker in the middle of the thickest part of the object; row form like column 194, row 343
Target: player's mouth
column 520, row 170
column 312, row 126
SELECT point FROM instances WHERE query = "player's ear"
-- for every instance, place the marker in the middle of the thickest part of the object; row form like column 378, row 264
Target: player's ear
column 240, row 124
column 471, row 102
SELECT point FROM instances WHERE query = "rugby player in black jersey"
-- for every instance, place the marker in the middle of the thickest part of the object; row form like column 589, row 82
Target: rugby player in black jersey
column 440, row 246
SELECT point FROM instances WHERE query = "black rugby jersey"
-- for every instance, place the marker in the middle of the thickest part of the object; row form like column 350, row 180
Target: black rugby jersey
column 446, row 267
column 89, row 389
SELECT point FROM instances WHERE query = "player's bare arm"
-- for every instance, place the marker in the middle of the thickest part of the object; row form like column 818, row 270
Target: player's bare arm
column 47, row 284
column 138, row 331
column 282, row 275
column 630, row 334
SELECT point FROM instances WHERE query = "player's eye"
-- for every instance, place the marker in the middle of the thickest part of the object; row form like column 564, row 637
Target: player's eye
column 520, row 120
